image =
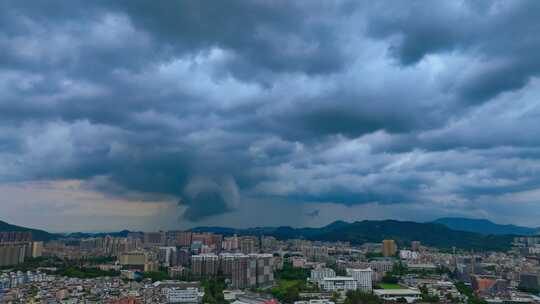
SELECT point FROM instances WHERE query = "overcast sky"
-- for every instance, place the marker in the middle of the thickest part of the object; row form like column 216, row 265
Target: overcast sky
column 172, row 114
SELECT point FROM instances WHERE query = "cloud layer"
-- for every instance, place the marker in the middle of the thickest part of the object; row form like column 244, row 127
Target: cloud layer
column 223, row 107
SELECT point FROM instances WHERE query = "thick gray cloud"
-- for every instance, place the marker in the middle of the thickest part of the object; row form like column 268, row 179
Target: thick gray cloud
column 499, row 37
column 314, row 103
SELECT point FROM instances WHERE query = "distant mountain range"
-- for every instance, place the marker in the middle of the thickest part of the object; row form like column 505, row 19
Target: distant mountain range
column 432, row 234
column 484, row 226
column 37, row 235
column 443, row 233
column 82, row 235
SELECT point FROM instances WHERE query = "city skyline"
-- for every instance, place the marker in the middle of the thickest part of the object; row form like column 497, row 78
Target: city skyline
column 149, row 115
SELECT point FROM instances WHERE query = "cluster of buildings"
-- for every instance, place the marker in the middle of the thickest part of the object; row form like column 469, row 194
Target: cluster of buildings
column 16, row 247
column 18, row 278
column 243, row 270
column 38, row 287
column 203, row 255
column 247, row 262
column 428, row 273
column 356, row 279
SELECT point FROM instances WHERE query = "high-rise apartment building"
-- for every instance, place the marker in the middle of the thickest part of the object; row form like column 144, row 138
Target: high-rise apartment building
column 265, row 268
column 179, row 238
column 36, row 249
column 12, row 253
column 114, row 246
column 211, row 240
column 167, row 256
column 184, row 238
column 248, row 244
column 15, row 236
column 89, row 244
column 243, row 272
column 315, row 253
column 269, row 243
column 226, row 262
column 248, row 270
column 205, row 265
column 138, row 260
column 230, row 243
column 135, row 259
column 183, row 256
column 155, row 238
column 389, row 248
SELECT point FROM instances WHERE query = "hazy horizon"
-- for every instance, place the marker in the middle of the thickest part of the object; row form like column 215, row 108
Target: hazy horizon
column 256, row 226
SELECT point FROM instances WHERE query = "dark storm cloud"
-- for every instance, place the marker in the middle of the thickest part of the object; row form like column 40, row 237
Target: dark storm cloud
column 206, row 197
column 315, row 102
column 203, row 205
column 499, row 35
column 276, row 36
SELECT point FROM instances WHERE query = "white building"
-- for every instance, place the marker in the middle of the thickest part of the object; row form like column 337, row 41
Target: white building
column 363, row 277
column 408, row 255
column 178, row 295
column 318, row 275
column 339, row 284
column 315, row 301
column 411, row 295
column 424, row 266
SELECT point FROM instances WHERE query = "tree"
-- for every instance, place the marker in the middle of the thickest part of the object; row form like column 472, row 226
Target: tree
column 288, row 272
column 213, row 291
column 335, row 296
column 467, row 291
column 358, row 297
column 156, row 275
column 288, row 291
column 292, row 295
column 208, row 298
column 398, row 269
column 389, row 279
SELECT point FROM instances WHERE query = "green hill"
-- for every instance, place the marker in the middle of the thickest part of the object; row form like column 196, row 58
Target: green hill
column 431, row 234
column 403, row 232
column 37, row 235
column 484, row 226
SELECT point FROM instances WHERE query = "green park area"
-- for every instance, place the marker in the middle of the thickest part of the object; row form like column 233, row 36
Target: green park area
column 290, row 282
column 389, row 286
column 85, row 273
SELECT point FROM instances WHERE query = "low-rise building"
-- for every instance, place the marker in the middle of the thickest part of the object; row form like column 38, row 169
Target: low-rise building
column 182, row 295
column 339, row 284
column 315, row 301
column 411, row 295
column 318, row 275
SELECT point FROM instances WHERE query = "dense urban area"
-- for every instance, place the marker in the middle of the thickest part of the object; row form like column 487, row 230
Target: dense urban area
column 207, row 267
